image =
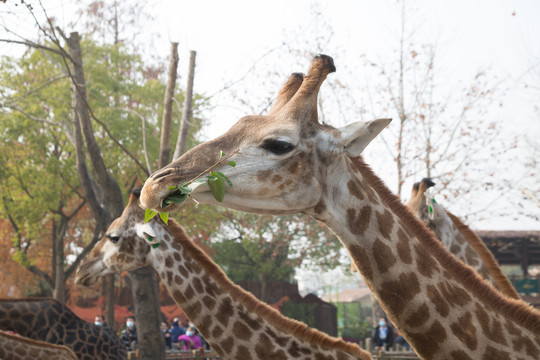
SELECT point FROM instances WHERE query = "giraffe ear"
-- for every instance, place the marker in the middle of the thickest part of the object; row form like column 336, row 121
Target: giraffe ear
column 145, row 230
column 356, row 136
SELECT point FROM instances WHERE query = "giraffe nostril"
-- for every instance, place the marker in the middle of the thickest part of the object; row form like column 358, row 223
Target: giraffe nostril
column 162, row 173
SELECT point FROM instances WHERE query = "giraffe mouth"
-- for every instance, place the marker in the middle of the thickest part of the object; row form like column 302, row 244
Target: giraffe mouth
column 85, row 280
column 88, row 273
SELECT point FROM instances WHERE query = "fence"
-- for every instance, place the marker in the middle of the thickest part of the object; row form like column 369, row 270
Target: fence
column 184, row 355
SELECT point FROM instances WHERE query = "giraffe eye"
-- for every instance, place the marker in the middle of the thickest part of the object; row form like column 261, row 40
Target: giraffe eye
column 277, row 147
column 114, row 238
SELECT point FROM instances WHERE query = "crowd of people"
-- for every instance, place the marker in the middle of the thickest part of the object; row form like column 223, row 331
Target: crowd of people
column 176, row 337
column 179, row 337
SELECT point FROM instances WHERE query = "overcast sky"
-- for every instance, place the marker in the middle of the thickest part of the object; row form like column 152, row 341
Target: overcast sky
column 502, row 37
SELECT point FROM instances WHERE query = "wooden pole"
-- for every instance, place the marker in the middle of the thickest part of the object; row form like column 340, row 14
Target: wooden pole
column 165, row 143
column 187, row 111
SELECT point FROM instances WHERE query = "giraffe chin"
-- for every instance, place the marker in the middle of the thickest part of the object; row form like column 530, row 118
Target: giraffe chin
column 86, row 280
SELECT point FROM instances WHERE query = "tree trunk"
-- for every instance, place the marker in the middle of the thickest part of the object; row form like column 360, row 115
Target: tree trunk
column 108, row 281
column 165, row 147
column 144, row 286
column 59, row 291
column 112, row 201
column 187, row 111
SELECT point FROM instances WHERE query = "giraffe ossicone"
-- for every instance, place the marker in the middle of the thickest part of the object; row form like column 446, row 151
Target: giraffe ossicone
column 290, row 163
column 234, row 322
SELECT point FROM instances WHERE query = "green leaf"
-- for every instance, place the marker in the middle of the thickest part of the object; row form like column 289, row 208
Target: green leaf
column 430, row 209
column 149, row 214
column 433, row 200
column 231, row 163
column 217, row 187
column 165, row 217
column 174, row 198
column 155, row 245
column 222, row 175
column 184, row 190
column 171, row 188
column 221, row 153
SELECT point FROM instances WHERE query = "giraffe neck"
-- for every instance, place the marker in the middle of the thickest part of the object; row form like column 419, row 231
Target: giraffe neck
column 50, row 321
column 18, row 347
column 486, row 257
column 452, row 238
column 233, row 322
column 443, row 308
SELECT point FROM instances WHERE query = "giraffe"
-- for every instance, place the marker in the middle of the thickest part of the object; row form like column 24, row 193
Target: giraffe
column 234, row 322
column 288, row 162
column 15, row 347
column 458, row 237
column 48, row 320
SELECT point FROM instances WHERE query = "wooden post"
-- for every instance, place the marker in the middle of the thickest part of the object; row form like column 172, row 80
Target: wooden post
column 368, row 345
column 187, row 111
column 165, row 143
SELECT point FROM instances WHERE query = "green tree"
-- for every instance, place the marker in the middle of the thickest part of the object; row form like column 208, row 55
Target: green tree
column 266, row 248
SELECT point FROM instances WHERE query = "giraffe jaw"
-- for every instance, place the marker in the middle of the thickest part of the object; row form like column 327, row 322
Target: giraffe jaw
column 89, row 273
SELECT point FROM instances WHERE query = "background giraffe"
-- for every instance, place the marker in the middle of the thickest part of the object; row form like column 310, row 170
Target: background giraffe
column 234, row 322
column 50, row 321
column 458, row 237
column 290, row 163
column 15, row 347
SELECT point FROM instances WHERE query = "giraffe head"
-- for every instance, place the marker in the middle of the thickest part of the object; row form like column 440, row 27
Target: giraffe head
column 420, row 204
column 284, row 158
column 125, row 246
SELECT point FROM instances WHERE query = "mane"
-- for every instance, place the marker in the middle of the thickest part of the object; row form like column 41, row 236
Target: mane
column 33, row 342
column 253, row 305
column 501, row 281
column 519, row 311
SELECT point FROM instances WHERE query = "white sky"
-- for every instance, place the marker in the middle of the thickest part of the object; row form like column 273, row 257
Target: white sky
column 229, row 36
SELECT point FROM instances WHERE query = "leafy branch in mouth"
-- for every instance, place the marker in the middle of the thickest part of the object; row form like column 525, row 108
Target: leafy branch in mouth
column 216, row 181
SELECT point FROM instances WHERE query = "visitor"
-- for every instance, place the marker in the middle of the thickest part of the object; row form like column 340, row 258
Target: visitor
column 99, row 320
column 176, row 330
column 129, row 334
column 383, row 336
column 190, row 339
column 166, row 334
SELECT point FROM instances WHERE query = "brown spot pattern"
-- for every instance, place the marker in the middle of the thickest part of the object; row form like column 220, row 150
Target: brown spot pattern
column 403, row 247
column 418, row 317
column 460, row 355
column 358, row 222
column 386, row 223
column 454, row 294
column 196, row 282
column 225, row 312
column 252, row 323
column 384, row 258
column 465, row 330
column 491, row 327
column 209, row 302
column 243, row 353
column 397, row 293
column 263, row 175
column 428, row 343
column 241, row 331
column 440, row 304
column 354, row 189
column 492, row 353
column 425, row 263
column 361, row 260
